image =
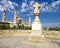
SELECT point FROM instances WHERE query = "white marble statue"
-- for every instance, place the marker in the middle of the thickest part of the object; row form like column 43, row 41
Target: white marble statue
column 36, row 25
column 36, row 9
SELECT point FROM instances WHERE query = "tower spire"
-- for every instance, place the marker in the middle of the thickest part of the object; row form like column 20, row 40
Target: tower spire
column 4, row 16
column 29, row 21
column 15, row 17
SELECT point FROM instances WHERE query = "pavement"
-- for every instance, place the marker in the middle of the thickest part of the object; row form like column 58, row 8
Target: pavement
column 17, row 42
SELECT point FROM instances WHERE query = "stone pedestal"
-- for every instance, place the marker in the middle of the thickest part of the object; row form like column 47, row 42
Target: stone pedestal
column 36, row 33
column 36, row 27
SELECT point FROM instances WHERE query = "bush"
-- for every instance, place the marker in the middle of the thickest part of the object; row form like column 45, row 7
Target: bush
column 55, row 28
column 3, row 27
column 27, row 28
column 14, row 27
column 23, row 27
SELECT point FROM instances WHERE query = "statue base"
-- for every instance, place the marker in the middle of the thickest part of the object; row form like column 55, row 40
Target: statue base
column 36, row 28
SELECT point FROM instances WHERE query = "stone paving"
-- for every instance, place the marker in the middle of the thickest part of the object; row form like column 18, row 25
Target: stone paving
column 17, row 43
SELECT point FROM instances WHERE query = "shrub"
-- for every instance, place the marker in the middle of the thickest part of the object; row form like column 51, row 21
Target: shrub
column 27, row 28
column 14, row 27
column 3, row 27
column 55, row 28
column 23, row 27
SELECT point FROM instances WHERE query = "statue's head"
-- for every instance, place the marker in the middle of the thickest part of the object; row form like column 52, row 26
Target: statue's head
column 36, row 9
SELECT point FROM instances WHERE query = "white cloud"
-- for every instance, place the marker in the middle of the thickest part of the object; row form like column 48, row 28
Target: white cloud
column 57, row 3
column 25, row 1
column 7, row 5
column 23, row 10
column 24, row 7
column 15, row 4
column 45, row 7
column 27, row 7
column 2, row 8
column 53, row 7
column 32, row 2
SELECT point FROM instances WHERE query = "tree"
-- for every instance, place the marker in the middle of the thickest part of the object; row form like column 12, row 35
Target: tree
column 3, row 27
column 24, row 27
column 21, row 26
column 14, row 27
column 55, row 28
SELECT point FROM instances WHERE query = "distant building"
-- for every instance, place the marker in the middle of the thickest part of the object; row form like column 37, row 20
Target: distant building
column 4, row 20
column 5, row 23
column 11, row 24
column 4, row 16
column 16, row 21
column 15, row 18
column 30, row 21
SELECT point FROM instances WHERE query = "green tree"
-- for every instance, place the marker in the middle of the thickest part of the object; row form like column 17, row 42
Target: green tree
column 14, row 27
column 24, row 27
column 3, row 27
column 21, row 26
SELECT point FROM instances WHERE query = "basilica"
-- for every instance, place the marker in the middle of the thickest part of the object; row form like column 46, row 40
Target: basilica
column 16, row 20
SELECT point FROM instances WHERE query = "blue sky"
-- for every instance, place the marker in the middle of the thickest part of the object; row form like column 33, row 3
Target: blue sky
column 50, row 10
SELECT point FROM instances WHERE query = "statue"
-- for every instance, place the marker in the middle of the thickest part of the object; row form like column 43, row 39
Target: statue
column 36, row 25
column 36, row 9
